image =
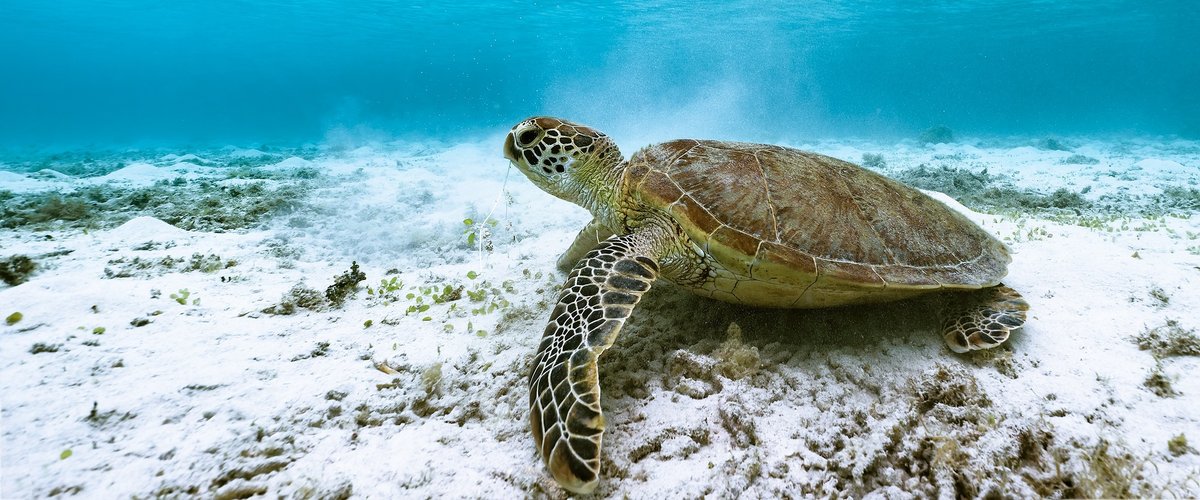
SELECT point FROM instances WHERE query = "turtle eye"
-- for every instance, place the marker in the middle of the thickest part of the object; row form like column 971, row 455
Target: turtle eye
column 527, row 138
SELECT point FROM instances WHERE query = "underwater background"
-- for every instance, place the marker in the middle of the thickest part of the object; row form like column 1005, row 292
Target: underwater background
column 266, row 248
column 136, row 72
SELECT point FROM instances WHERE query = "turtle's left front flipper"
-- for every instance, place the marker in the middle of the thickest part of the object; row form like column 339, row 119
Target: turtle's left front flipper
column 564, row 386
column 983, row 319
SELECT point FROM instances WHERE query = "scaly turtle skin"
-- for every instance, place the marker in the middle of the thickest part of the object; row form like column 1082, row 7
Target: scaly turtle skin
column 750, row 224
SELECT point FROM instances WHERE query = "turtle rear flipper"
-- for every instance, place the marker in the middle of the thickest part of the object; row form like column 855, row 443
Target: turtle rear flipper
column 983, row 319
column 564, row 385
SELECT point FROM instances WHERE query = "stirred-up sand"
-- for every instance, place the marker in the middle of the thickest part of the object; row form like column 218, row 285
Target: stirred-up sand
column 193, row 327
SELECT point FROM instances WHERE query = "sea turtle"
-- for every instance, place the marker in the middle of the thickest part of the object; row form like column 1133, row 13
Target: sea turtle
column 751, row 224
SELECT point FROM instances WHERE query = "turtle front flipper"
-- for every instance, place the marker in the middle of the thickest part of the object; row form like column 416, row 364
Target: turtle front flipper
column 983, row 319
column 564, row 386
column 590, row 236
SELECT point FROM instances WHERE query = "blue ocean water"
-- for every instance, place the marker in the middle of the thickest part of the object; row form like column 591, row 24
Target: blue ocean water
column 93, row 72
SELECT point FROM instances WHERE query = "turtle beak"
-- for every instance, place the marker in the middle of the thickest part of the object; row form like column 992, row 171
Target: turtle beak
column 510, row 149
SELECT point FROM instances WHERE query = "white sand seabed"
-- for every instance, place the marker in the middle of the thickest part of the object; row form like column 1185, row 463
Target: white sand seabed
column 216, row 398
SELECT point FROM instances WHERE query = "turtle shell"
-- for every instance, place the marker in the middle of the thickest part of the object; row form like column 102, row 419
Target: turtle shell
column 782, row 215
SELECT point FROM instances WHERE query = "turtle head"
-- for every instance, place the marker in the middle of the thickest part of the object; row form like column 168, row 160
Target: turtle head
column 568, row 160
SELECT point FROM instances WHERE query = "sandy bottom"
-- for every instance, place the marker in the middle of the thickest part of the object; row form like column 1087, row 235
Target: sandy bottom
column 202, row 357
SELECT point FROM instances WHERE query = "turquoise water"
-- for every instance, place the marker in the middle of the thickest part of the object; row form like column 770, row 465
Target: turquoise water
column 183, row 72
